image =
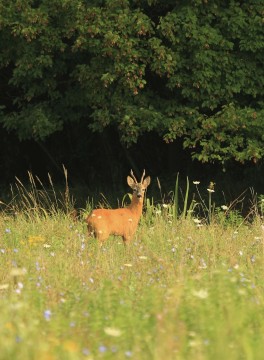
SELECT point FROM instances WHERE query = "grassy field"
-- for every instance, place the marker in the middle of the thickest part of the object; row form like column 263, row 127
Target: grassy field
column 180, row 291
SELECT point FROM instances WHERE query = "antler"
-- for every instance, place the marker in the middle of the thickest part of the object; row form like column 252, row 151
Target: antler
column 133, row 176
column 142, row 177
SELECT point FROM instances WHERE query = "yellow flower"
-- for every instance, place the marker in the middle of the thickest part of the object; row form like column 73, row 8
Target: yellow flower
column 18, row 272
column 70, row 346
column 34, row 239
column 4, row 286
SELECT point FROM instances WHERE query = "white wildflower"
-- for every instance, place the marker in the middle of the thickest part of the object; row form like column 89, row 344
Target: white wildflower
column 224, row 207
column 197, row 221
column 111, row 331
column 201, row 294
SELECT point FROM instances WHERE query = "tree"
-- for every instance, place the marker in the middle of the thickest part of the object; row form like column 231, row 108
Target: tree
column 192, row 71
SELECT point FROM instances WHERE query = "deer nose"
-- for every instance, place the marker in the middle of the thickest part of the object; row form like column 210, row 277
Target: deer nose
column 139, row 195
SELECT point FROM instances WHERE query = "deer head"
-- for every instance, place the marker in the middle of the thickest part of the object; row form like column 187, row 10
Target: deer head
column 138, row 188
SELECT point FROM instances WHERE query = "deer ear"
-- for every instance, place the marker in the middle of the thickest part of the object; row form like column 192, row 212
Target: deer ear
column 146, row 182
column 130, row 181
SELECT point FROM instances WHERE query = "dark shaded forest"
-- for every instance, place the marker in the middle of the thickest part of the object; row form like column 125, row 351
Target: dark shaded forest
column 105, row 86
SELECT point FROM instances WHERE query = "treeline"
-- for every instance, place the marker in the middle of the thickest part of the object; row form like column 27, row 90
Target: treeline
column 84, row 76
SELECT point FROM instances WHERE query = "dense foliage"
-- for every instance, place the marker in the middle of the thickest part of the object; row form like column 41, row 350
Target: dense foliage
column 191, row 70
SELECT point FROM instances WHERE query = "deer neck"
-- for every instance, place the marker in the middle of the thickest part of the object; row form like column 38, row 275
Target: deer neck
column 136, row 205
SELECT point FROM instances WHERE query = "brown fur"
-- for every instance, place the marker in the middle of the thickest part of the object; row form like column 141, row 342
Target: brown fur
column 122, row 222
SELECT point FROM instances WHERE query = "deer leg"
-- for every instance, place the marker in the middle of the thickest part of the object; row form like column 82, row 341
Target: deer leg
column 101, row 236
column 90, row 231
column 127, row 239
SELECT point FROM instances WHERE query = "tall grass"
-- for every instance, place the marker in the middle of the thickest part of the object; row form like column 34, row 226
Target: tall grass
column 36, row 199
column 180, row 291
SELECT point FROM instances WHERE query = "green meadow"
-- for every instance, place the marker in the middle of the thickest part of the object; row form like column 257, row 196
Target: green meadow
column 185, row 288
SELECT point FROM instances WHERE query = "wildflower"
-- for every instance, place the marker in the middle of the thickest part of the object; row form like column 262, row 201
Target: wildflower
column 201, row 294
column 128, row 353
column 70, row 346
column 52, row 254
column 224, row 207
column 112, row 331
column 8, row 231
column 19, row 287
column 142, row 257
column 197, row 221
column 210, row 190
column 165, row 206
column 196, row 182
column 253, row 258
column 46, row 246
column 240, row 253
column 2, row 251
column 194, row 343
column 241, row 291
column 85, row 351
column 17, row 272
column 128, row 265
column 18, row 339
column 91, row 280
column 158, row 212
column 47, row 315
column 211, row 187
column 203, row 264
column 34, row 239
column 15, row 250
column 102, row 349
column 4, row 286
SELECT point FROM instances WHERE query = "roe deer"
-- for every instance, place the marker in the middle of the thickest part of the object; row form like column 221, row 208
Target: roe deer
column 123, row 221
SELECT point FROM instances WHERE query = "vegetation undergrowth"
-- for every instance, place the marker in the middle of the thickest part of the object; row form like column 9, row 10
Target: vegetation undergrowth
column 186, row 288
